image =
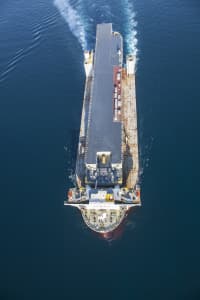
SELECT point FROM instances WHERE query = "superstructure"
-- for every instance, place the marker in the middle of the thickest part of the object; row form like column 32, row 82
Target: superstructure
column 107, row 166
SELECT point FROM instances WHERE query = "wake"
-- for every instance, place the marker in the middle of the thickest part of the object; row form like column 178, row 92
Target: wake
column 82, row 20
column 73, row 20
column 131, row 28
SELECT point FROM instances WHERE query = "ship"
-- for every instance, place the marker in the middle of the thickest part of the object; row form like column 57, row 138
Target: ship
column 107, row 164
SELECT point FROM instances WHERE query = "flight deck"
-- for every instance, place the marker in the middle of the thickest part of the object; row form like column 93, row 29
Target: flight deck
column 104, row 134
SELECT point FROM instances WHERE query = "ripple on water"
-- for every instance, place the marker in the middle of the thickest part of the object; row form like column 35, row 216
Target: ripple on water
column 37, row 33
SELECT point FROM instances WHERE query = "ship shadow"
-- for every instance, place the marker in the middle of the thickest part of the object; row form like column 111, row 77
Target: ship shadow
column 127, row 164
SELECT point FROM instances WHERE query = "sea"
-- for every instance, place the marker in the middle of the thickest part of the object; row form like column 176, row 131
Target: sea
column 46, row 250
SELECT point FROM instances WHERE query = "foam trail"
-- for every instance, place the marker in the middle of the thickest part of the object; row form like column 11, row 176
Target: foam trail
column 131, row 29
column 73, row 20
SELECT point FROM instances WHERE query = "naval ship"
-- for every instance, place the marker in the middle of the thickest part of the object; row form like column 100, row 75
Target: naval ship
column 107, row 165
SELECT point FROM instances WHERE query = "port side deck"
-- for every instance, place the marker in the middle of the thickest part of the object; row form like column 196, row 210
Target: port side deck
column 103, row 133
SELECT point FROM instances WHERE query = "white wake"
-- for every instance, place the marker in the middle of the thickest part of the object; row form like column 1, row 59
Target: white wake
column 82, row 20
column 73, row 20
column 131, row 28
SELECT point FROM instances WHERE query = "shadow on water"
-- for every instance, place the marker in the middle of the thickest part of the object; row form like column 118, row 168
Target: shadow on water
column 70, row 157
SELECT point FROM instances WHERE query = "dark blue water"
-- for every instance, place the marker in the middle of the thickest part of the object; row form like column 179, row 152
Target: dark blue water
column 46, row 252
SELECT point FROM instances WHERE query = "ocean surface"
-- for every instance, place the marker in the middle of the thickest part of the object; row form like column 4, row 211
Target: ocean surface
column 46, row 251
